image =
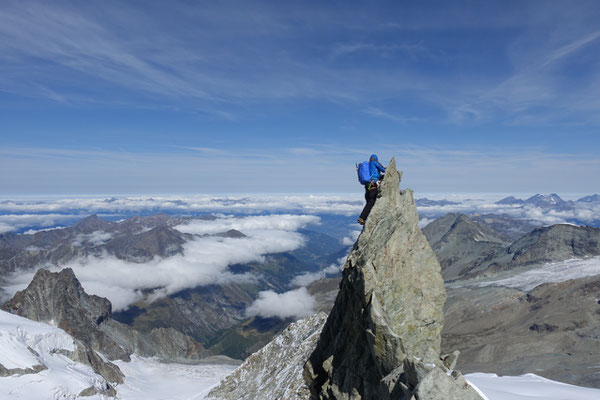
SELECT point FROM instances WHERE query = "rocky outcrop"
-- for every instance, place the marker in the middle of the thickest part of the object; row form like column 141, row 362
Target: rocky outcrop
column 469, row 248
column 462, row 245
column 555, row 243
column 275, row 371
column 58, row 298
column 382, row 337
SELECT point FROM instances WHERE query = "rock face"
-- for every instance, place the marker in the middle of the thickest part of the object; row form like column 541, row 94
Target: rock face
column 462, row 245
column 555, row 243
column 382, row 337
column 275, row 371
column 467, row 249
column 59, row 298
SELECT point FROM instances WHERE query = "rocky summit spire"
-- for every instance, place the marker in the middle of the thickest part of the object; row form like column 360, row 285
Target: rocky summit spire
column 382, row 337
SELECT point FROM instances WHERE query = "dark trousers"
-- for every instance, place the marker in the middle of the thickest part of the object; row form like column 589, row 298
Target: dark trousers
column 370, row 197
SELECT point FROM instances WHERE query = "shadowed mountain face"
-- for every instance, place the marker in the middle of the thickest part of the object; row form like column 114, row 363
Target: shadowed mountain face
column 462, row 245
column 59, row 298
column 466, row 248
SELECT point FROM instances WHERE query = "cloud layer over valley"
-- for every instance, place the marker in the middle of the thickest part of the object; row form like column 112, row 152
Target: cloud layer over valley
column 204, row 261
column 23, row 215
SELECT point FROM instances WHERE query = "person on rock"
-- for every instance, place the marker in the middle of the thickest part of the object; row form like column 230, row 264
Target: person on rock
column 372, row 188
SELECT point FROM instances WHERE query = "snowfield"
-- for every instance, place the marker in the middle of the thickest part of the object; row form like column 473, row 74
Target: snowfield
column 550, row 273
column 528, row 387
column 149, row 379
column 62, row 378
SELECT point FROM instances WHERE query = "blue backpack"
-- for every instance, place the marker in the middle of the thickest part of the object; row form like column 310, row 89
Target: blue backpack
column 364, row 172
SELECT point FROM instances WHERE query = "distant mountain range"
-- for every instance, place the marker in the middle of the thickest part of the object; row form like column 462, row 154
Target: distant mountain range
column 425, row 202
column 468, row 248
column 549, row 201
column 213, row 315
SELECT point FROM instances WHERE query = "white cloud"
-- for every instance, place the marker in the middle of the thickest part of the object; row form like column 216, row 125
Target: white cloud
column 349, row 240
column 551, row 272
column 307, row 278
column 15, row 222
column 297, row 303
column 485, row 204
column 204, row 260
column 423, row 222
column 4, row 227
column 305, row 204
column 34, row 231
column 95, row 238
column 284, row 222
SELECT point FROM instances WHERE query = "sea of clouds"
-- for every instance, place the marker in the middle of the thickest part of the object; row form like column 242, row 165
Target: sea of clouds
column 204, row 261
column 270, row 223
column 26, row 214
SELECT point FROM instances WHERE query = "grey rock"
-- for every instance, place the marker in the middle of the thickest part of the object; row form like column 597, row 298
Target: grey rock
column 555, row 243
column 469, row 249
column 463, row 245
column 552, row 330
column 508, row 227
column 135, row 239
column 59, row 298
column 438, row 385
column 593, row 199
column 275, row 371
column 21, row 371
column 388, row 309
column 510, row 200
column 105, row 391
column 550, row 201
column 109, row 371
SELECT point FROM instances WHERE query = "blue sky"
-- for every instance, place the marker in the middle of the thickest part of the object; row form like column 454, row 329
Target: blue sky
column 284, row 97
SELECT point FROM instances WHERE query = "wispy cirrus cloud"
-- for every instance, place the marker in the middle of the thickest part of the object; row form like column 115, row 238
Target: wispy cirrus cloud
column 217, row 58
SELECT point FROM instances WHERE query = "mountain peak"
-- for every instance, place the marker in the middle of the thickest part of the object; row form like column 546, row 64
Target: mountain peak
column 382, row 337
column 510, row 200
column 91, row 224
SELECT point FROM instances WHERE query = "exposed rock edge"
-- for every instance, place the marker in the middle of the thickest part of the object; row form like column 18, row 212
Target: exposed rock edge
column 382, row 337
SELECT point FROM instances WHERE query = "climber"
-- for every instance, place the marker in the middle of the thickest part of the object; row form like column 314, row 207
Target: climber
column 372, row 187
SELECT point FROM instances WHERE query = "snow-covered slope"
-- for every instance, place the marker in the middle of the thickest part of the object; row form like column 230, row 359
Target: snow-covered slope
column 528, row 387
column 25, row 344
column 35, row 364
column 147, row 379
column 550, row 272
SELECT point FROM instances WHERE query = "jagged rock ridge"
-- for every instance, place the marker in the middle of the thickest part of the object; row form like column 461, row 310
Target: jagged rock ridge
column 467, row 249
column 382, row 337
column 275, row 371
column 60, row 299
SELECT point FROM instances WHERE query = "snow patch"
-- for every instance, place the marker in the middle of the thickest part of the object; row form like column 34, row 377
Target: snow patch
column 528, row 387
column 550, row 273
